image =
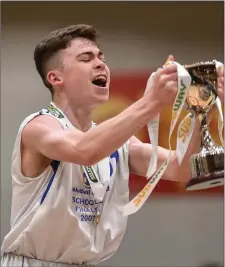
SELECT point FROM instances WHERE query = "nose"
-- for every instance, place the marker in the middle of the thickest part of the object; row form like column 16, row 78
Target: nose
column 99, row 64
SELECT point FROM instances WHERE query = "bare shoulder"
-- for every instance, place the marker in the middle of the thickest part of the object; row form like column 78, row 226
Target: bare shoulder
column 33, row 161
column 38, row 127
column 43, row 120
column 44, row 136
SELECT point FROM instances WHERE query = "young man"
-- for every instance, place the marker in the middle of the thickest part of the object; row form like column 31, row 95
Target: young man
column 64, row 211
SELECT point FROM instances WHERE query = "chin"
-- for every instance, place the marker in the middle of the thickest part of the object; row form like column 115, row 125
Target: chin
column 102, row 93
column 99, row 100
column 102, row 98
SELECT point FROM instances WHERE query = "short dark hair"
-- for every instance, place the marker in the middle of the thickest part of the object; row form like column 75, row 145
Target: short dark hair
column 58, row 40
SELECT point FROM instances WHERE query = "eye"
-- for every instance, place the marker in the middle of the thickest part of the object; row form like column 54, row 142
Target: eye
column 86, row 60
column 103, row 60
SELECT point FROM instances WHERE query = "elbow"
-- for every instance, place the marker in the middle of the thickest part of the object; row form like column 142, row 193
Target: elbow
column 89, row 159
column 92, row 160
column 179, row 172
column 173, row 171
column 87, row 155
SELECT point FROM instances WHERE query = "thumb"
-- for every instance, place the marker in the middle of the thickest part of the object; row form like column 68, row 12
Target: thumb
column 220, row 71
column 170, row 58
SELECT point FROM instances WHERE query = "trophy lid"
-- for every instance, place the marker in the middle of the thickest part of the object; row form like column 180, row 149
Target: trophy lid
column 202, row 92
column 200, row 64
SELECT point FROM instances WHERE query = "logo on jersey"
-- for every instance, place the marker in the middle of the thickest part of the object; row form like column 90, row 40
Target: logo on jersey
column 92, row 175
column 86, row 183
column 55, row 112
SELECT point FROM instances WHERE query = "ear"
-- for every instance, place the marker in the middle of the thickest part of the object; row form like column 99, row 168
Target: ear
column 55, row 78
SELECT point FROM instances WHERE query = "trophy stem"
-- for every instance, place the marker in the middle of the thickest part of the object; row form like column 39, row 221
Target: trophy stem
column 206, row 139
column 207, row 166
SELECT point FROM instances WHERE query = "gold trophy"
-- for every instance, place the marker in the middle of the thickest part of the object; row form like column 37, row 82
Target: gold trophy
column 207, row 166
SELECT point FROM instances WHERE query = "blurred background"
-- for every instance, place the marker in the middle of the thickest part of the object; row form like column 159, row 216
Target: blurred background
column 174, row 228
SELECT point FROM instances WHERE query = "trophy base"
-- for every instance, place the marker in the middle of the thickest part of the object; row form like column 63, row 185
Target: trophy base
column 206, row 181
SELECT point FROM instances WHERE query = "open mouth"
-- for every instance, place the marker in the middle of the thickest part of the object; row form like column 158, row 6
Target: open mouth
column 100, row 81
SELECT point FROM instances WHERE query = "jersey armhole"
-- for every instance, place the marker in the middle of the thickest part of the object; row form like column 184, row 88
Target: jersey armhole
column 16, row 156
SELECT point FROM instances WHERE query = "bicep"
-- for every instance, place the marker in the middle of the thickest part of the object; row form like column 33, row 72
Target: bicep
column 46, row 136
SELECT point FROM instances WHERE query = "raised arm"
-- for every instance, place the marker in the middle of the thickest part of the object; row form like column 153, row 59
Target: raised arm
column 45, row 136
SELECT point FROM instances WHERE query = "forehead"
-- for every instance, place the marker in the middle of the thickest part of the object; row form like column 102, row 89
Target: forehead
column 80, row 45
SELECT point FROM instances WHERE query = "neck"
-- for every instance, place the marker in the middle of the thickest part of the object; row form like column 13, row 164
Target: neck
column 81, row 118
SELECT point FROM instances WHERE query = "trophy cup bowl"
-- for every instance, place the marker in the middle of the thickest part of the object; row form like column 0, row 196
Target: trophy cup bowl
column 207, row 166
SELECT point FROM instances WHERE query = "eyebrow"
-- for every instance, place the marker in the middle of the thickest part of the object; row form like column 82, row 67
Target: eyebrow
column 89, row 53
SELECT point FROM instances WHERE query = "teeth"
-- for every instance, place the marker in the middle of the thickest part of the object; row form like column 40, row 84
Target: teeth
column 102, row 77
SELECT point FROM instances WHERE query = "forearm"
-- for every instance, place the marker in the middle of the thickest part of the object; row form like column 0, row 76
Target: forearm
column 111, row 134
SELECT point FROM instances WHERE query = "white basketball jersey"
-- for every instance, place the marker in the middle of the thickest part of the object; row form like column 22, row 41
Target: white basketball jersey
column 53, row 216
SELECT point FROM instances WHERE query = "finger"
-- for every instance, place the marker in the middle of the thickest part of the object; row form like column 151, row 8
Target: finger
column 172, row 86
column 220, row 72
column 220, row 88
column 221, row 80
column 171, row 77
column 172, row 68
column 221, row 96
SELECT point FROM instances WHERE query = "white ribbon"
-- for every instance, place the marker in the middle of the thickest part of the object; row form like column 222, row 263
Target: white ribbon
column 184, row 81
column 184, row 134
column 153, row 131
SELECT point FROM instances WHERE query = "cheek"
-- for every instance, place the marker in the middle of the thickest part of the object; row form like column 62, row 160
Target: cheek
column 80, row 74
column 77, row 79
column 108, row 74
column 73, row 78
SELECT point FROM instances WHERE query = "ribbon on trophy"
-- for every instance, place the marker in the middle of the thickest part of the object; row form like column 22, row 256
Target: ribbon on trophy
column 184, row 134
column 184, row 81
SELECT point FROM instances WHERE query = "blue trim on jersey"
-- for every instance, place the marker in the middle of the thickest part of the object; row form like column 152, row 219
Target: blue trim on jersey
column 111, row 169
column 55, row 165
column 116, row 156
column 22, row 262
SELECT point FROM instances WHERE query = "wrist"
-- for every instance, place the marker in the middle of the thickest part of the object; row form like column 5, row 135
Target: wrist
column 154, row 107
